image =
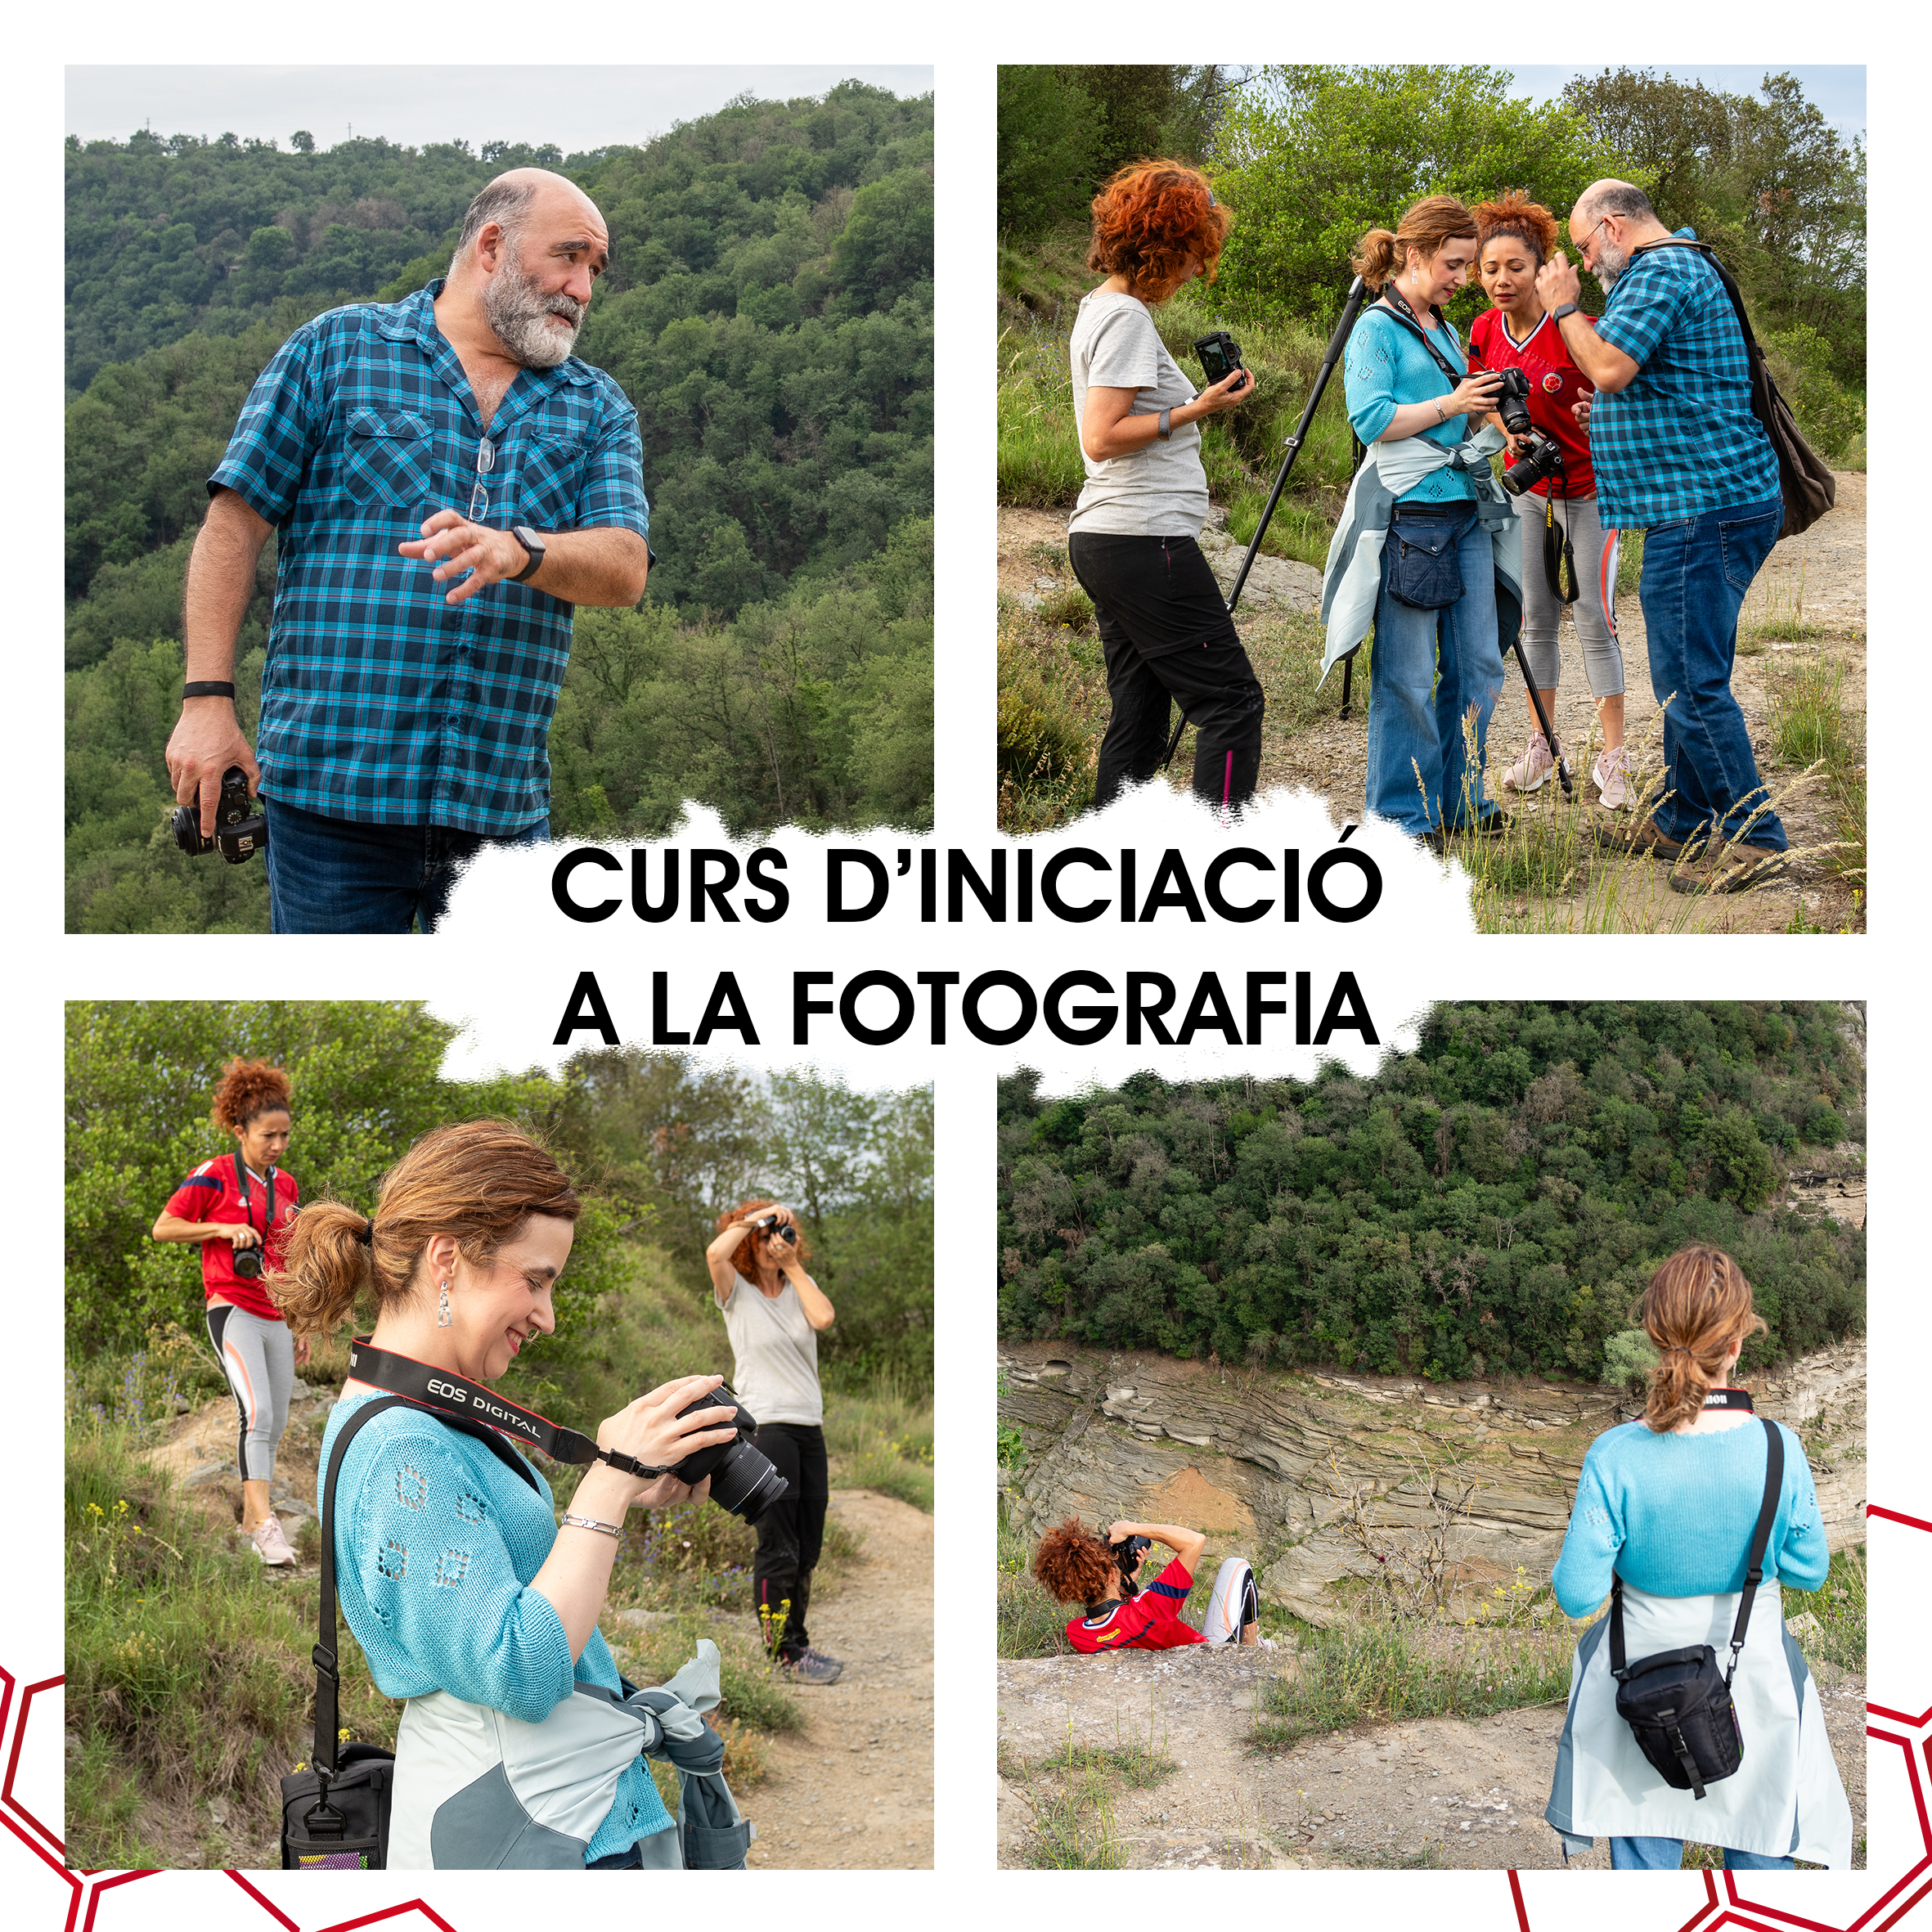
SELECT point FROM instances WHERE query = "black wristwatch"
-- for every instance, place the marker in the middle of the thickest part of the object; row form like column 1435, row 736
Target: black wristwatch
column 534, row 544
column 1557, row 315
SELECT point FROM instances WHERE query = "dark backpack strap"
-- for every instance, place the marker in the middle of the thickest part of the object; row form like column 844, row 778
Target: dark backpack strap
column 1774, row 1482
column 1618, row 1663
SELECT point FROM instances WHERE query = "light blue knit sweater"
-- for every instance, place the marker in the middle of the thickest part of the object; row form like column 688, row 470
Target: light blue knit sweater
column 1674, row 1515
column 436, row 1543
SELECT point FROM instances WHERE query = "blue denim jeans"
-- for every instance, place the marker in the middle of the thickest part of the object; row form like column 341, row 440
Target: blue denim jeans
column 1667, row 1854
column 1695, row 572
column 1415, row 717
column 335, row 875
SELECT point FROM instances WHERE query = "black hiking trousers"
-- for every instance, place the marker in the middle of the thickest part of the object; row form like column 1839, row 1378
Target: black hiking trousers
column 1168, row 638
column 791, row 1533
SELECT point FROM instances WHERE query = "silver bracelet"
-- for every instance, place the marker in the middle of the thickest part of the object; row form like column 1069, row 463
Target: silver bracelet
column 571, row 1522
column 1441, row 413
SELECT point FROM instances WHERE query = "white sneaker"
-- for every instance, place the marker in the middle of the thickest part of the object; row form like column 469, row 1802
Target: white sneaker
column 271, row 1545
column 1529, row 771
column 1611, row 776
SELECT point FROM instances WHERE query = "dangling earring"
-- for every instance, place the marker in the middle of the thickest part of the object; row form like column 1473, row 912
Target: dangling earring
column 442, row 1315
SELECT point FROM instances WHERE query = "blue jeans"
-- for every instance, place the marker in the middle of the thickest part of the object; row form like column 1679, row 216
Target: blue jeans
column 1667, row 1854
column 336, row 875
column 1695, row 572
column 1415, row 718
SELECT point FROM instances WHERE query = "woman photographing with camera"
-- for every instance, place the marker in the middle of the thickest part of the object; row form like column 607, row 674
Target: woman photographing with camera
column 1675, row 1512
column 1558, row 511
column 467, row 1595
column 1164, row 625
column 1426, row 490
column 240, row 1206
column 774, row 1313
column 1121, row 1612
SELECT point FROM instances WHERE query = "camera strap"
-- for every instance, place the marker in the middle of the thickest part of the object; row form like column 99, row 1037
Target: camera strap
column 247, row 1207
column 455, row 1398
column 1402, row 314
column 1556, row 552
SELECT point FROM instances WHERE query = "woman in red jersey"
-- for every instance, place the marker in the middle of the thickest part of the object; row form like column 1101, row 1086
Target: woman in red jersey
column 1121, row 1612
column 1515, row 236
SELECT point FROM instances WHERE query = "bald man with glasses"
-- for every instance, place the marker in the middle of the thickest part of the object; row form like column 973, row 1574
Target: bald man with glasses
column 1679, row 454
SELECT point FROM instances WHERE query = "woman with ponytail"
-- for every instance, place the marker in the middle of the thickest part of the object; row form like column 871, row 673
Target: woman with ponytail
column 240, row 1207
column 1420, row 550
column 1666, row 1507
column 466, row 1596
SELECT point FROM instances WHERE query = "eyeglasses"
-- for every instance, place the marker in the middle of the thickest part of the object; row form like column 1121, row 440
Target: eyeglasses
column 479, row 497
column 1582, row 248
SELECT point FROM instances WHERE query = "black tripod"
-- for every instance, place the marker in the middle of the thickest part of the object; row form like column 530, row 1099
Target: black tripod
column 1357, row 295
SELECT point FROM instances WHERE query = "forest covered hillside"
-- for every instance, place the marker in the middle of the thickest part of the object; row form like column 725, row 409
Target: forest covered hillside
column 768, row 309
column 1491, row 1203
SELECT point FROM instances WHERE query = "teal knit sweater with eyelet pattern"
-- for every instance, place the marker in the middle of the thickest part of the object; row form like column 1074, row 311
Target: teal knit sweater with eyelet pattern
column 1674, row 1515
column 436, row 1543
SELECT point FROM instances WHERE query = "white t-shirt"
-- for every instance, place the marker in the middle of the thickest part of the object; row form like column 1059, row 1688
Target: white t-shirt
column 1161, row 491
column 775, row 1354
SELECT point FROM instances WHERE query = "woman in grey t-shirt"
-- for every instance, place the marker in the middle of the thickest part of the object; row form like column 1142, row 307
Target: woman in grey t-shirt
column 1164, row 626
column 774, row 1312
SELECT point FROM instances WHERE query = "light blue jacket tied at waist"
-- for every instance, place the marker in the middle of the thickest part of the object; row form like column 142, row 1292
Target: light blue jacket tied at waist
column 1352, row 581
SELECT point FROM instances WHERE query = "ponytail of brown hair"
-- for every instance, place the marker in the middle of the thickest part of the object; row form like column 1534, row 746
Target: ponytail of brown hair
column 1697, row 1311
column 480, row 1180
column 1427, row 226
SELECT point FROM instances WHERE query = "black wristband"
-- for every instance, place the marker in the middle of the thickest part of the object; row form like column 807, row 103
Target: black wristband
column 207, row 687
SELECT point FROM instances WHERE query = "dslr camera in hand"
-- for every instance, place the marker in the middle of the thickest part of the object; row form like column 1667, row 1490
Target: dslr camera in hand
column 241, row 828
column 1219, row 354
column 742, row 1478
column 778, row 1230
column 1127, row 1553
column 1543, row 458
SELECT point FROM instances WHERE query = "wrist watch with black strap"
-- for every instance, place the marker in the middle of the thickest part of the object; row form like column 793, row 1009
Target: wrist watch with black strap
column 533, row 546
column 1557, row 315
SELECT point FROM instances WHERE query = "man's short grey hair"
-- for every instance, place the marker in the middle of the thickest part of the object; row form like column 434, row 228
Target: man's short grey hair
column 503, row 202
column 1626, row 203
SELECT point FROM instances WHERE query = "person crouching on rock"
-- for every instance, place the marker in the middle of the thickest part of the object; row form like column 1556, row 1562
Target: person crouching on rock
column 1121, row 1612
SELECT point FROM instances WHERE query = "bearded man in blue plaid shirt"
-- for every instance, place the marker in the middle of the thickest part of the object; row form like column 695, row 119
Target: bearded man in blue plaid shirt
column 446, row 482
column 1679, row 454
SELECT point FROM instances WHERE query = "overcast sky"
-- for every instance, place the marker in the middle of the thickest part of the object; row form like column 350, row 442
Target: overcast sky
column 1837, row 93
column 577, row 107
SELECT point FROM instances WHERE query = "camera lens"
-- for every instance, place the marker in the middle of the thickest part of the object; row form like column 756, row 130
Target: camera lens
column 742, row 1480
column 247, row 1263
column 188, row 831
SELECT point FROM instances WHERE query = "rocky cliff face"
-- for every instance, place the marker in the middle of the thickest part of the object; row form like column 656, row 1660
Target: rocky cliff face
column 1261, row 1460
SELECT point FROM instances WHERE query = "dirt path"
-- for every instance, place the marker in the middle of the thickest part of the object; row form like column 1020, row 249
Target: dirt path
column 1439, row 1792
column 1819, row 579
column 854, row 1790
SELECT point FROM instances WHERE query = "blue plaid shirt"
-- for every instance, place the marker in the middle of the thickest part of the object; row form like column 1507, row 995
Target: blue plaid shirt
column 382, row 704
column 1681, row 439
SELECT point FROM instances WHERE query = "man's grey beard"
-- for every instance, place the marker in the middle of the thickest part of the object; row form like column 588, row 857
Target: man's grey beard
column 1611, row 262
column 520, row 314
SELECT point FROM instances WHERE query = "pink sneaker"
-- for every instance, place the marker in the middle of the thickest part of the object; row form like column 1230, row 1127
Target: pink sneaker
column 271, row 1545
column 1612, row 775
column 1529, row 771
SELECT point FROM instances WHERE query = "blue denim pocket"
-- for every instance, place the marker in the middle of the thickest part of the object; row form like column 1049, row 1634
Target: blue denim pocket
column 1419, row 564
column 1747, row 542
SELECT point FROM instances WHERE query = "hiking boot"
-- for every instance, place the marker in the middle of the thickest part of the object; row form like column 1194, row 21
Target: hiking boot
column 1647, row 840
column 811, row 1666
column 1611, row 776
column 1529, row 771
column 1492, row 824
column 1735, row 868
column 271, row 1545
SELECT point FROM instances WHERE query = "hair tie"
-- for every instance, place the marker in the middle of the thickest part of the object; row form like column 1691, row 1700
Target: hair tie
column 367, row 1237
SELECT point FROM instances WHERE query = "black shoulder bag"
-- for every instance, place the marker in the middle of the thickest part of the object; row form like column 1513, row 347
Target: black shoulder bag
column 1677, row 1703
column 335, row 1813
column 1804, row 479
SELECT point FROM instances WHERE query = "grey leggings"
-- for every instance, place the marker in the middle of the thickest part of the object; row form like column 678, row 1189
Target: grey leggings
column 1603, row 661
column 258, row 1359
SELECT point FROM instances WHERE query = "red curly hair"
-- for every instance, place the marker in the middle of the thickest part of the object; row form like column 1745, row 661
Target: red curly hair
column 1515, row 214
column 1149, row 218
column 744, row 1255
column 248, row 1088
column 1075, row 1567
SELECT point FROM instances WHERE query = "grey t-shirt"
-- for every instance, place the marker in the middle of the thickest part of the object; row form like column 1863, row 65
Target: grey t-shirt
column 1161, row 491
column 775, row 1353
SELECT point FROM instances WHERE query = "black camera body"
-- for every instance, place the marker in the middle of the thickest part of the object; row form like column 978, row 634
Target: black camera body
column 247, row 1263
column 240, row 828
column 1544, row 456
column 1219, row 354
column 1127, row 1553
column 742, row 1480
column 778, row 1230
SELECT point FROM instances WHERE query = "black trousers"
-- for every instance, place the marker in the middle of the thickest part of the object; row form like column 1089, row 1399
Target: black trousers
column 791, row 1533
column 1167, row 636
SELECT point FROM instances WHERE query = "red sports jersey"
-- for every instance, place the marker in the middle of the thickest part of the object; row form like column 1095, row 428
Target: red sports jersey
column 1151, row 1622
column 210, row 1194
column 1555, row 383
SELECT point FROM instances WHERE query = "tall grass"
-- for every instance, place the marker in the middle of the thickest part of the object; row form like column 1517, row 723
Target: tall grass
column 1838, row 1604
column 1812, row 725
column 1028, row 1622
